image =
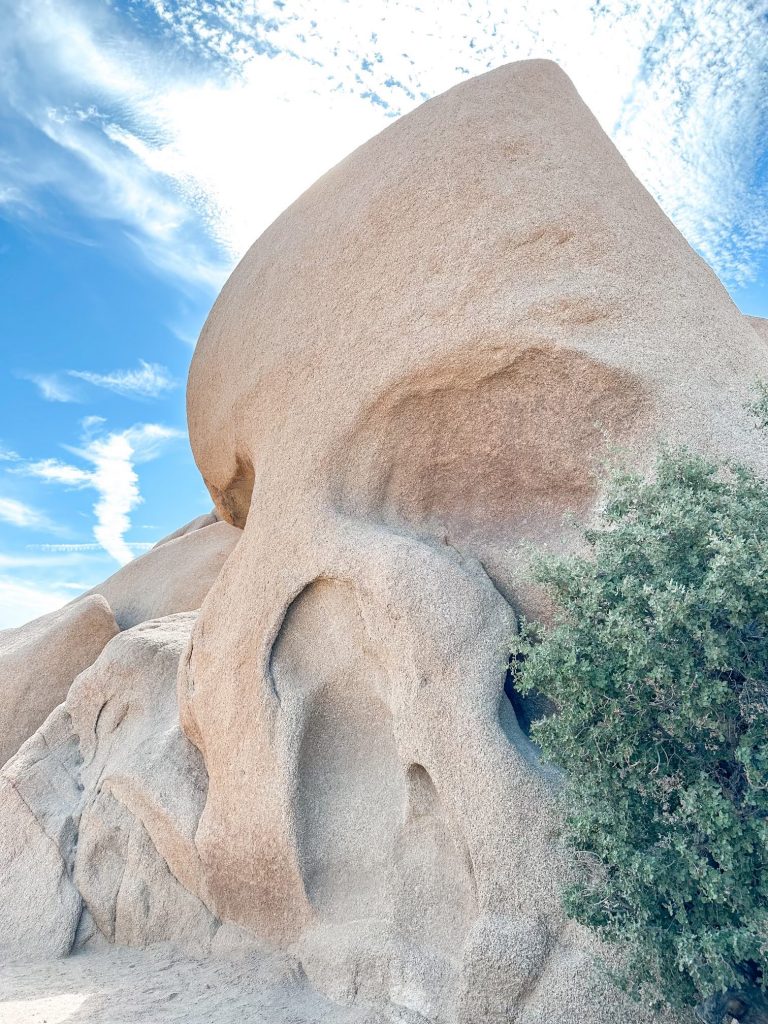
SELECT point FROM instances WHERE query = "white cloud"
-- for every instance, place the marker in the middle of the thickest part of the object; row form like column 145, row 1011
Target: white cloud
column 22, row 600
column 51, row 387
column 112, row 459
column 147, row 440
column 55, row 471
column 18, row 514
column 10, row 196
column 135, row 545
column 681, row 87
column 150, row 381
column 7, row 454
column 244, row 149
column 115, row 479
column 44, row 556
column 179, row 155
column 92, row 425
column 63, row 66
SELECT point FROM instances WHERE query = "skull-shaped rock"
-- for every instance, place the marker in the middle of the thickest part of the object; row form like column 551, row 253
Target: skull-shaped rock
column 409, row 378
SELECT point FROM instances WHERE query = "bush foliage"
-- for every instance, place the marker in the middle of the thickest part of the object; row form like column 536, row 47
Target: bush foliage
column 657, row 663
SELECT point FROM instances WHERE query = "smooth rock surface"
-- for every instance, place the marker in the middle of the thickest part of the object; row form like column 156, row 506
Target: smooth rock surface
column 38, row 833
column 172, row 577
column 194, row 524
column 40, row 660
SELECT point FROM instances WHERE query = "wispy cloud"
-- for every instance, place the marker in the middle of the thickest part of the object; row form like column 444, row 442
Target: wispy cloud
column 68, row 69
column 150, row 380
column 184, row 159
column 58, row 472
column 8, row 454
column 11, row 196
column 22, row 600
column 51, row 387
column 136, row 545
column 117, row 484
column 40, row 557
column 111, row 460
column 18, row 514
column 36, row 582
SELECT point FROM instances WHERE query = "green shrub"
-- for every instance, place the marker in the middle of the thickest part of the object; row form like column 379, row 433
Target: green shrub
column 657, row 663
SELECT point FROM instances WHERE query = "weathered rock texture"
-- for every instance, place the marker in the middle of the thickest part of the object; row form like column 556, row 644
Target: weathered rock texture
column 409, row 378
column 39, row 661
column 760, row 324
column 98, row 809
column 174, row 576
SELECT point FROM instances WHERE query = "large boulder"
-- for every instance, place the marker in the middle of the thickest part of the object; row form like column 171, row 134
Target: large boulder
column 410, row 377
column 98, row 810
column 40, row 660
column 174, row 576
column 108, row 790
column 38, row 797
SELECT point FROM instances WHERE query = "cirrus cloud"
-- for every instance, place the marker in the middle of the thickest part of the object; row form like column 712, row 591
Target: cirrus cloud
column 197, row 123
column 111, row 460
column 150, row 380
column 51, row 387
column 17, row 513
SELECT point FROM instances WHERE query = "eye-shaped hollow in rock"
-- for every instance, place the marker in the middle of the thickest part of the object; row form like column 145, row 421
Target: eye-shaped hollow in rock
column 491, row 460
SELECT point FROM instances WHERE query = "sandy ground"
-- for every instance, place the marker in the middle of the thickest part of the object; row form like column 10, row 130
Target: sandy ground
column 163, row 986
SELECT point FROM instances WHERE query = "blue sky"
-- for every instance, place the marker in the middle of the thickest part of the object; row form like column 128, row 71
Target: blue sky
column 145, row 143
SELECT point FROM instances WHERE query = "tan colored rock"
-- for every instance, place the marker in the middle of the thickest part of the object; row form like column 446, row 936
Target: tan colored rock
column 411, row 376
column 174, row 576
column 760, row 324
column 98, row 810
column 208, row 519
column 38, row 833
column 144, row 789
column 39, row 661
column 492, row 983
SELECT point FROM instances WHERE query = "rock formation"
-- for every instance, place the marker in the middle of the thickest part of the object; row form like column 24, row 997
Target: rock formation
column 174, row 576
column 410, row 377
column 81, row 800
column 760, row 325
column 39, row 662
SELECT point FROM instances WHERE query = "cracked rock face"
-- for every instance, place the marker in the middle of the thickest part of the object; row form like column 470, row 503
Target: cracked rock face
column 98, row 808
column 410, row 378
column 40, row 660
